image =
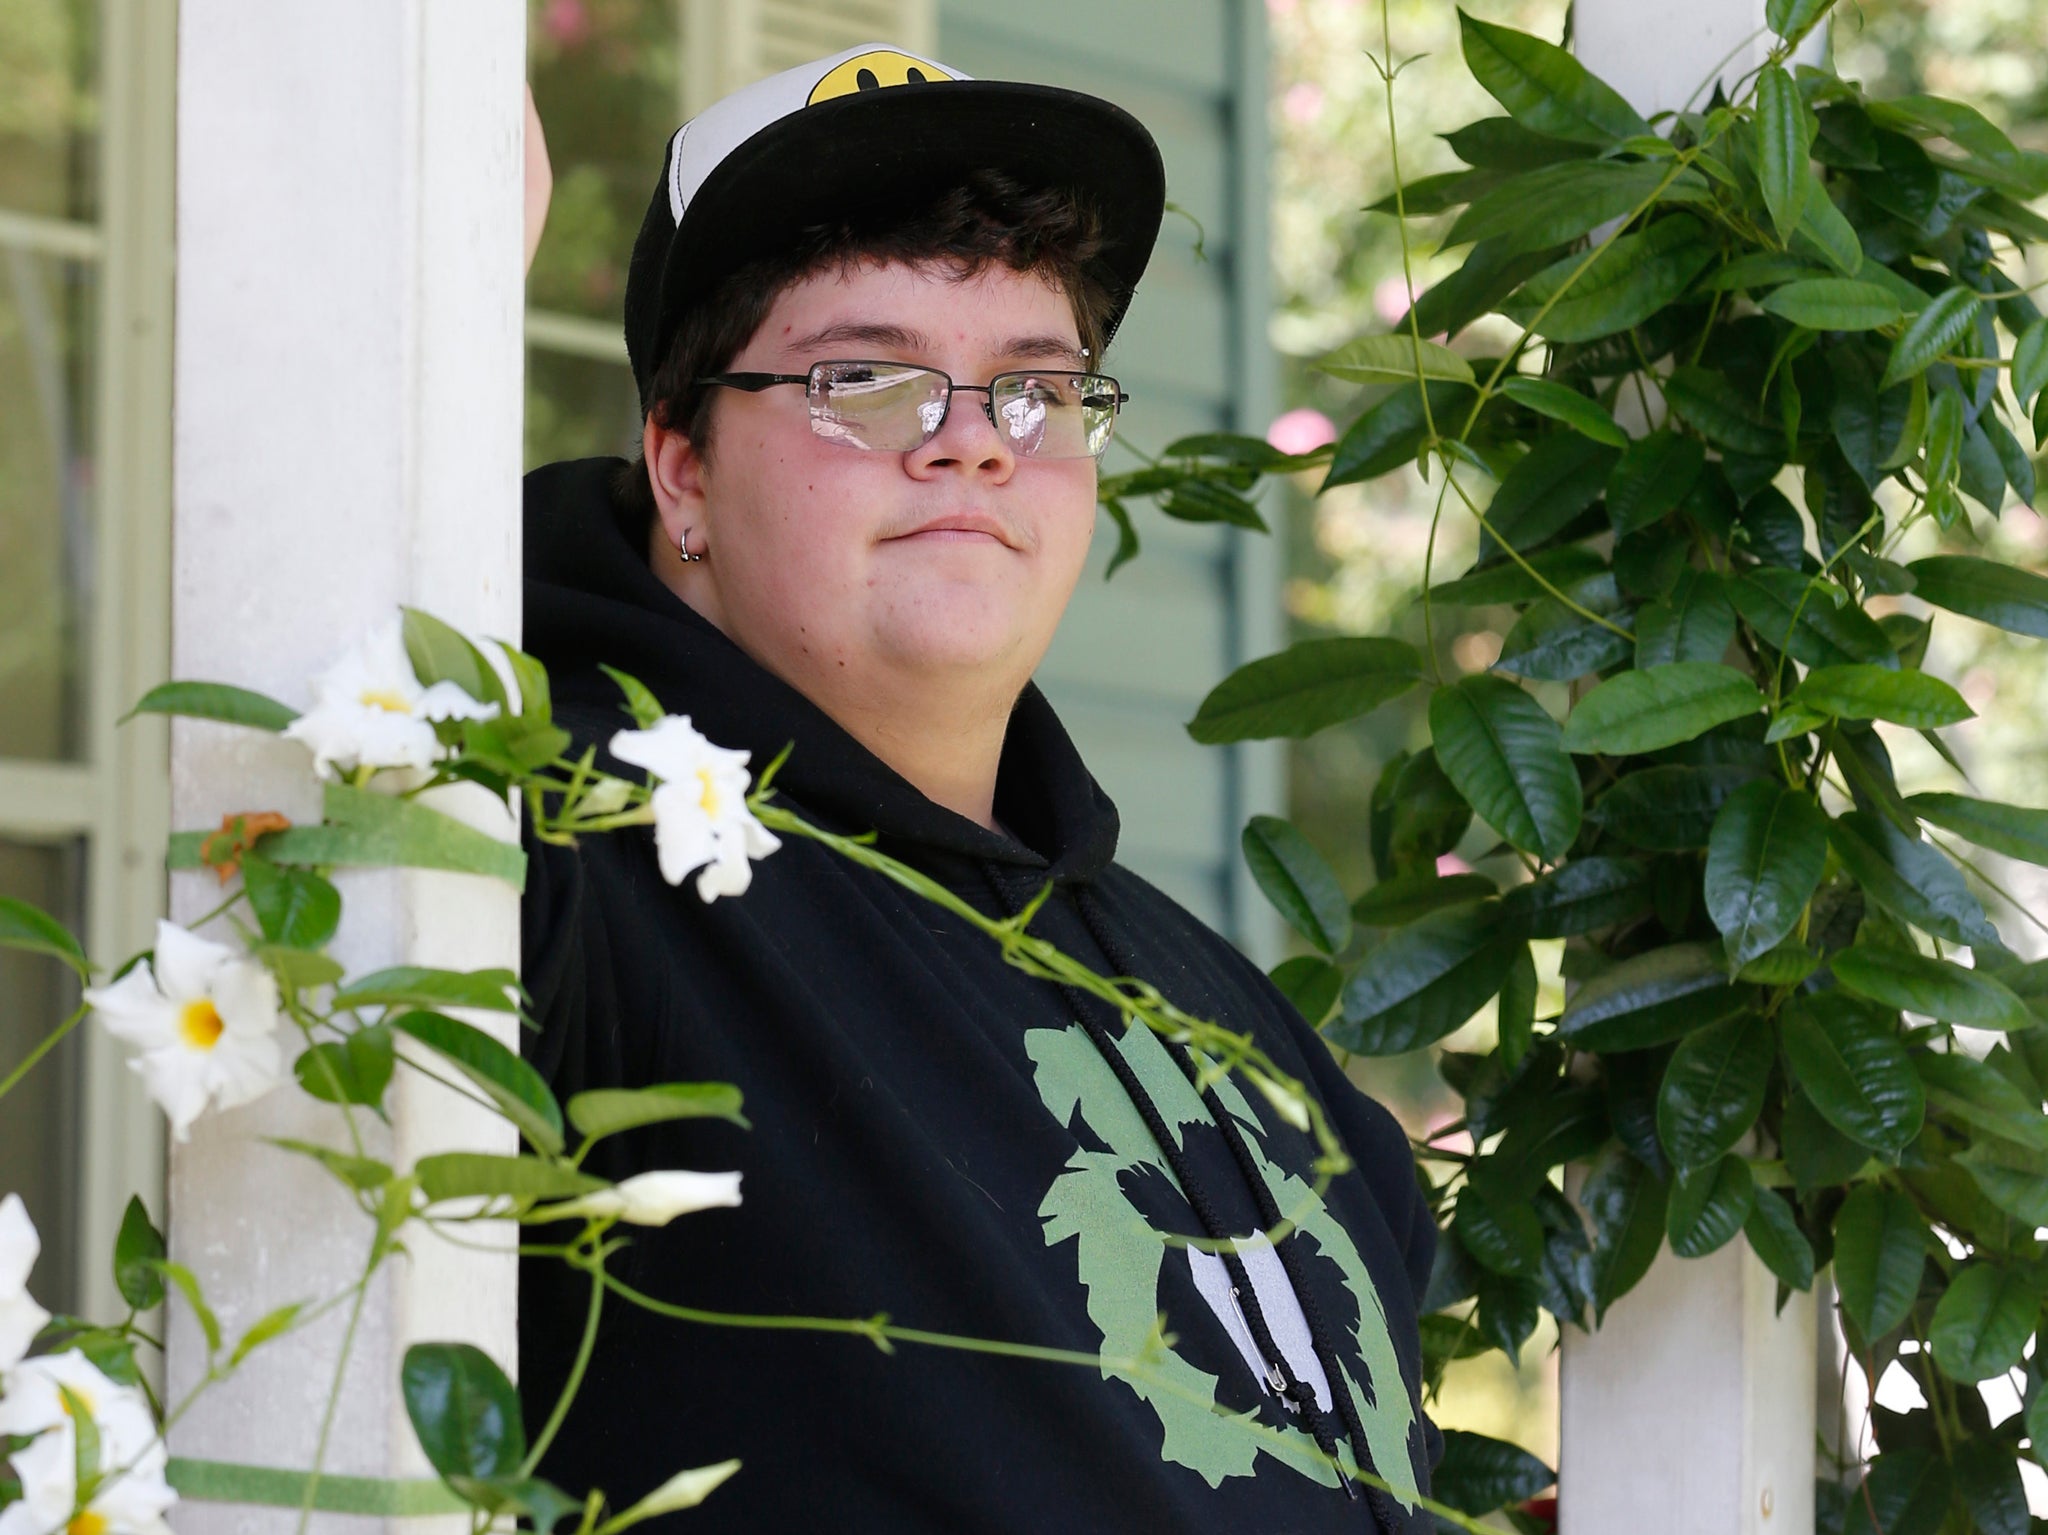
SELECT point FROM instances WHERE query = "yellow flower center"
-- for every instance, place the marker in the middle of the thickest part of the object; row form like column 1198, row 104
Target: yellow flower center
column 87, row 1523
column 84, row 1400
column 708, row 799
column 388, row 701
column 199, row 1024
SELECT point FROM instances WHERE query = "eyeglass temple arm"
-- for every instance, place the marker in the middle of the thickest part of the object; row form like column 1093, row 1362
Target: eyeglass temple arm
column 754, row 383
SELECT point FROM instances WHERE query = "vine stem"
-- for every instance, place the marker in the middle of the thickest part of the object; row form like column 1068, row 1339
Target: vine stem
column 574, row 1382
column 50, row 1042
column 1530, row 570
column 883, row 1334
column 348, row 1340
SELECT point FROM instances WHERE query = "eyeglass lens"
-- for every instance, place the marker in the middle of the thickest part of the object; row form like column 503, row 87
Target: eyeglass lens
column 894, row 407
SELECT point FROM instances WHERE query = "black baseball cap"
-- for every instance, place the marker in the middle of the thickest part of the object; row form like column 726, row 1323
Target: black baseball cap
column 862, row 135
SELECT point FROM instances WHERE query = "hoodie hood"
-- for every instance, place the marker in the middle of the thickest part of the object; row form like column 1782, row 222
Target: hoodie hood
column 593, row 598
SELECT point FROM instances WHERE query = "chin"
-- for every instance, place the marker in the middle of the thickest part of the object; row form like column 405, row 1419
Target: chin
column 963, row 632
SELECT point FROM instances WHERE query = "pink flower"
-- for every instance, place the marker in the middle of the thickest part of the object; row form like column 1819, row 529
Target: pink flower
column 1301, row 431
column 566, row 23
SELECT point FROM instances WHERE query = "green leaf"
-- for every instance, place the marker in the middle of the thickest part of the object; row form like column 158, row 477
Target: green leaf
column 1985, row 590
column 353, row 1070
column 1504, row 1235
column 1782, row 170
column 1544, row 88
column 1308, row 981
column 1799, row 615
column 1713, row 1089
column 1551, row 642
column 1825, row 232
column 1507, row 582
column 1478, row 1475
column 1627, row 281
column 1581, row 896
column 1625, row 1204
column 2012, row 1178
column 1988, row 1477
column 602, row 1111
column 1426, row 980
column 138, row 1258
column 1650, row 998
column 440, row 653
column 1880, row 1249
column 1695, row 622
column 1425, row 815
column 1947, row 427
column 1391, row 359
column 1500, row 748
column 2012, row 829
column 1974, row 1092
column 23, row 926
column 1550, row 485
column 1934, row 331
column 1586, row 416
column 1983, row 1321
column 1297, row 880
column 1759, row 269
column 1816, row 1153
column 1834, row 303
column 1791, row 19
column 1204, row 500
column 1936, row 987
column 1388, row 434
column 1654, row 475
column 1307, row 687
column 1491, row 272
column 1557, row 203
column 1847, row 1059
column 188, row 1286
column 1126, row 536
column 1906, row 1491
column 215, row 701
column 1708, row 1206
column 686, row 1489
column 1515, row 1011
column 1765, row 858
column 475, row 1174
column 363, row 1174
column 2030, row 363
column 464, row 1410
column 271, row 1324
column 519, row 1091
column 1501, row 143
column 1775, row 1237
column 640, row 702
column 294, row 907
column 1861, row 691
column 1710, row 402
column 416, row 986
column 1638, row 712
column 1913, row 881
column 1401, row 898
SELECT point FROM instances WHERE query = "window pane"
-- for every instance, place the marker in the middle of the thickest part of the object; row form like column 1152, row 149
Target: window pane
column 39, row 1119
column 577, row 407
column 604, row 76
column 48, row 314
column 49, row 107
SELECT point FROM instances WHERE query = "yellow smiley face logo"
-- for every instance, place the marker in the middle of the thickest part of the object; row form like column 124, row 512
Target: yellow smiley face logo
column 872, row 71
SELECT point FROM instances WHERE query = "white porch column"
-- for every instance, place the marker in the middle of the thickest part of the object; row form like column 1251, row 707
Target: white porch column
column 347, row 438
column 1691, row 1410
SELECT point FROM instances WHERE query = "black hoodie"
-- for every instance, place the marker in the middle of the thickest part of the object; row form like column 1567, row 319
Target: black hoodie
column 938, row 1137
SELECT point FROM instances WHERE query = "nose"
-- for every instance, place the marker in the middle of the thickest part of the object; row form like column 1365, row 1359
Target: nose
column 966, row 441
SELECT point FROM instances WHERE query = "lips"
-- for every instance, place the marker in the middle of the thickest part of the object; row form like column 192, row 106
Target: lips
column 961, row 527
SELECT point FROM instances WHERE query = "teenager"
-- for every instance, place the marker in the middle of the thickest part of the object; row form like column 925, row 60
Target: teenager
column 867, row 313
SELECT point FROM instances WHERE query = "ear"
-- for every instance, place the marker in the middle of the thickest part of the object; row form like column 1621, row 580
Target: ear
column 675, row 473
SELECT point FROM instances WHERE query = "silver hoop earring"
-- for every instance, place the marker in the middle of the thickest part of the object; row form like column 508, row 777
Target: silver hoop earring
column 683, row 549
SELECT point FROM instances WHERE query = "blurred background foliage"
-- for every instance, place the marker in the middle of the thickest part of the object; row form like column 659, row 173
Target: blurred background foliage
column 1355, row 557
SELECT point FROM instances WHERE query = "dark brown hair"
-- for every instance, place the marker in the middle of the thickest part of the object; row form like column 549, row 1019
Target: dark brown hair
column 987, row 220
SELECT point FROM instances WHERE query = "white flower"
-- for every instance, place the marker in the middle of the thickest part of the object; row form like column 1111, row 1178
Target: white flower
column 134, row 1496
column 20, row 1317
column 651, row 1199
column 204, row 1020
column 701, row 819
column 369, row 709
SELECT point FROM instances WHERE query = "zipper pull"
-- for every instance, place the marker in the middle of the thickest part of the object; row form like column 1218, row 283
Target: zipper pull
column 1275, row 1380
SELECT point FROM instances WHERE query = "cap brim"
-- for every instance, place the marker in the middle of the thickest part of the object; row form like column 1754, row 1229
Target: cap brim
column 865, row 156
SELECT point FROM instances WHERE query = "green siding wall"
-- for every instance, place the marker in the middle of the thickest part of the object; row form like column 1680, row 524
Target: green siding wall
column 1136, row 654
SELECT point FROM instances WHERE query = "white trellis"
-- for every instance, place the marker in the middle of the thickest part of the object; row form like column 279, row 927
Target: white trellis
column 347, row 435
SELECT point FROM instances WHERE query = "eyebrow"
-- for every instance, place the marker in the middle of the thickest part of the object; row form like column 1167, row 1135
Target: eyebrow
column 903, row 339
